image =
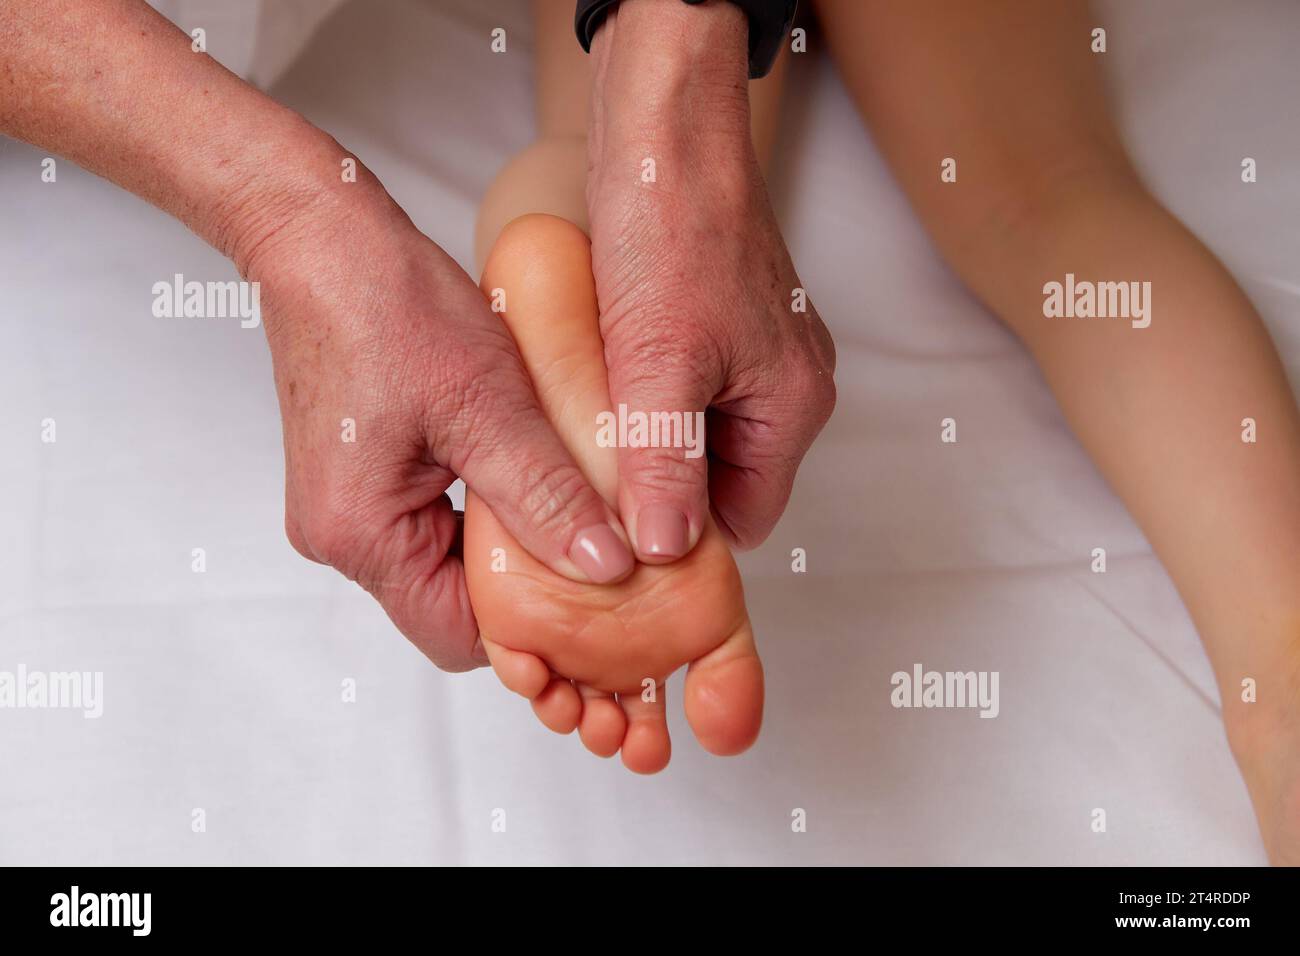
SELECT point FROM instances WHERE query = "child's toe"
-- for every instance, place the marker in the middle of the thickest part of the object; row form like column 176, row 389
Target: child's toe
column 558, row 706
column 525, row 674
column 724, row 695
column 603, row 724
column 646, row 747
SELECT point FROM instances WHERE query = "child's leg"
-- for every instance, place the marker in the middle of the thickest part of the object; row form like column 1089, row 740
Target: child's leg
column 1012, row 91
column 550, row 176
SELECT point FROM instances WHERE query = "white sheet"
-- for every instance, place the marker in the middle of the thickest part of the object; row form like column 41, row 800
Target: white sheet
column 257, row 39
column 222, row 690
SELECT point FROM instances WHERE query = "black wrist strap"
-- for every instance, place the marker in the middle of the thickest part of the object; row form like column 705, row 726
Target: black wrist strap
column 769, row 22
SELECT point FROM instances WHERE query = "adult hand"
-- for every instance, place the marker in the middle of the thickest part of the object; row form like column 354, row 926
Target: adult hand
column 394, row 378
column 367, row 319
column 699, row 299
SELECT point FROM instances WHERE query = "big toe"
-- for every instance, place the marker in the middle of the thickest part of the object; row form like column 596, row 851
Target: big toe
column 724, row 695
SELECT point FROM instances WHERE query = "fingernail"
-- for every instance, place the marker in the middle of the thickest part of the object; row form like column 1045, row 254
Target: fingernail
column 662, row 530
column 480, row 653
column 600, row 554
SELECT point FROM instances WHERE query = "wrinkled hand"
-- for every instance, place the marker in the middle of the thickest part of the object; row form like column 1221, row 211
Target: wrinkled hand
column 700, row 303
column 394, row 378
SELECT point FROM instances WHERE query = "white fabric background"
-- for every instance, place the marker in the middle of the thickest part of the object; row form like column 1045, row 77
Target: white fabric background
column 222, row 689
column 258, row 39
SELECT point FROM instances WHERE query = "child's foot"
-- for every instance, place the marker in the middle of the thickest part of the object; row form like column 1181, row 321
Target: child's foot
column 595, row 657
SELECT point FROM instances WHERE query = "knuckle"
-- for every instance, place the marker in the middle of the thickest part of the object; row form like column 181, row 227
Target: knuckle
column 481, row 393
column 750, row 537
column 823, row 347
column 653, row 345
column 331, row 531
column 452, row 664
column 664, row 357
column 550, row 495
column 666, row 472
column 476, row 399
column 455, row 380
column 821, row 396
column 327, row 537
column 809, row 384
column 744, row 530
column 297, row 540
column 444, row 617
